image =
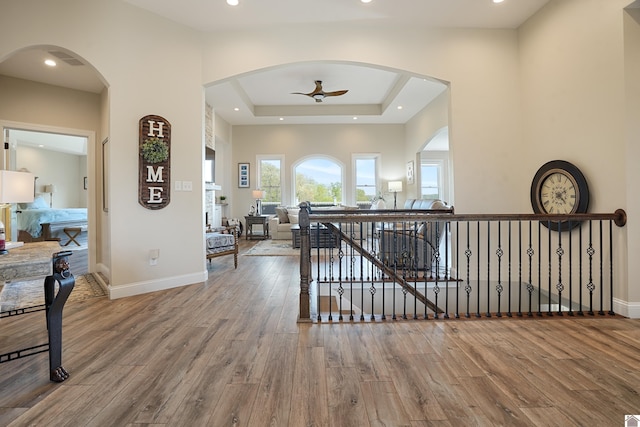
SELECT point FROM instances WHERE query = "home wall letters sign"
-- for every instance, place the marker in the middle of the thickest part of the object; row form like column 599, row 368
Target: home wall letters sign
column 154, row 154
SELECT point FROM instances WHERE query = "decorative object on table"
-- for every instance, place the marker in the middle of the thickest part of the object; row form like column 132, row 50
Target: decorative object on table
column 559, row 187
column 223, row 199
column 243, row 175
column 410, row 172
column 252, row 210
column 258, row 195
column 378, row 202
column 15, row 187
column 395, row 187
column 154, row 178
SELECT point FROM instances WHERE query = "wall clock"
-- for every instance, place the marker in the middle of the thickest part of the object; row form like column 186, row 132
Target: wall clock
column 559, row 188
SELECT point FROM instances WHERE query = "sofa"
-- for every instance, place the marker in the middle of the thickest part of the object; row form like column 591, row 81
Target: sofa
column 413, row 245
column 280, row 224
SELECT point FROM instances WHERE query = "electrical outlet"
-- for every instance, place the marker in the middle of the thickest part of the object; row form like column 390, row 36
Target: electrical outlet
column 154, row 254
column 187, row 186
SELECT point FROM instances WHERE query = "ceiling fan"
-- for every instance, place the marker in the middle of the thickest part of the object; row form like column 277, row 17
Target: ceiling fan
column 318, row 94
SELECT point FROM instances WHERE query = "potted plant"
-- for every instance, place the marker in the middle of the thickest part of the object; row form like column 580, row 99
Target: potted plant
column 223, row 199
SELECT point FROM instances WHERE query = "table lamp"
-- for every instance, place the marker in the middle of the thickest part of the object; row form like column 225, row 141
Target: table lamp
column 15, row 187
column 258, row 195
column 50, row 188
column 395, row 187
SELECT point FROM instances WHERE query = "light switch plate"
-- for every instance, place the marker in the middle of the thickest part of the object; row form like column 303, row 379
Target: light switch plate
column 177, row 185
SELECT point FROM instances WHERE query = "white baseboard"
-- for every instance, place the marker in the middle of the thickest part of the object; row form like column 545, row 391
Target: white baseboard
column 139, row 288
column 626, row 309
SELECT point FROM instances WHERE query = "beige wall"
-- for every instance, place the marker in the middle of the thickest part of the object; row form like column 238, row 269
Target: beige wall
column 296, row 142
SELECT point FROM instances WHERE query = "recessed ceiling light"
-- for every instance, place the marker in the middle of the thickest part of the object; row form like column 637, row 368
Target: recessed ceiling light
column 232, row 2
column 355, row 118
column 399, row 107
column 281, row 118
column 236, row 109
column 50, row 63
column 498, row 1
column 365, row 1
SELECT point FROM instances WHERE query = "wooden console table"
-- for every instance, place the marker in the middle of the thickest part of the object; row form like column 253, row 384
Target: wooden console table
column 252, row 220
column 29, row 260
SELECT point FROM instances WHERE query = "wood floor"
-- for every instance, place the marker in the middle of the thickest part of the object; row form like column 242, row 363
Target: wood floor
column 229, row 352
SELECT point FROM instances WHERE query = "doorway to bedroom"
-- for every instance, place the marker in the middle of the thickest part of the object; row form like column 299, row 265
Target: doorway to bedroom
column 58, row 160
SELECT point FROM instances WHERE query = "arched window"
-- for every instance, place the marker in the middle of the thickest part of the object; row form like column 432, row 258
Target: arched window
column 318, row 180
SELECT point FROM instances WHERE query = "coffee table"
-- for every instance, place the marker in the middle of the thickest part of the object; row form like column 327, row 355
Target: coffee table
column 319, row 239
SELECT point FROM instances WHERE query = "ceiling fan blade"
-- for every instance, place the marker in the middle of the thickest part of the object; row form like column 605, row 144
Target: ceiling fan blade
column 336, row 93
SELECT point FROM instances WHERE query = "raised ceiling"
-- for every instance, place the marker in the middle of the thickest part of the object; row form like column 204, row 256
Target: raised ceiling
column 264, row 96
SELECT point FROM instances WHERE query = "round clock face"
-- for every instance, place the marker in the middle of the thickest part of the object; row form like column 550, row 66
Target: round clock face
column 559, row 188
column 558, row 193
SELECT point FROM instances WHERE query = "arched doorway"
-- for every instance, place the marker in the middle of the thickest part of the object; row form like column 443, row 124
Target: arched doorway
column 53, row 102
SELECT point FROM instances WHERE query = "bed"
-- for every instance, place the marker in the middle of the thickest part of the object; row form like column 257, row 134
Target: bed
column 223, row 242
column 37, row 221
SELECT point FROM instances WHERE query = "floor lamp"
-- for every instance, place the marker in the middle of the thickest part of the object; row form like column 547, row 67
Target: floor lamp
column 15, row 187
column 395, row 187
column 258, row 195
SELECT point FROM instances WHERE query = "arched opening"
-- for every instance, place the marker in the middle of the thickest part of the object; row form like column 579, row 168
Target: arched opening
column 51, row 125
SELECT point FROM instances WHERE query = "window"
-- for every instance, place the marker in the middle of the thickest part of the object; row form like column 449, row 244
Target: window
column 318, row 180
column 365, row 170
column 270, row 181
column 431, row 179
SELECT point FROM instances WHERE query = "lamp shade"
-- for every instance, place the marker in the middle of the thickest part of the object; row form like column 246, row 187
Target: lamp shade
column 395, row 186
column 50, row 188
column 258, row 194
column 16, row 187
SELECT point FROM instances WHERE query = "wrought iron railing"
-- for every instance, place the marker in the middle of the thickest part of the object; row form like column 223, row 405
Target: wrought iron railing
column 428, row 264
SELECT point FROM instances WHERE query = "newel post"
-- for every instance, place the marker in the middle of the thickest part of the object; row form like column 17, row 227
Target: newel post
column 305, row 263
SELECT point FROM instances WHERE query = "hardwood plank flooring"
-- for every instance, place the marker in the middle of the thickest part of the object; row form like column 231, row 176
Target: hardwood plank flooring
column 229, row 352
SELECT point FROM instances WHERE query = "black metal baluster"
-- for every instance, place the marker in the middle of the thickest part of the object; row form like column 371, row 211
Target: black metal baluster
column 611, row 312
column 457, row 269
column 530, row 253
column 509, row 275
column 436, row 287
column 570, row 270
column 499, row 253
column 590, row 285
column 549, row 275
column 580, row 282
column 488, row 314
column 601, row 312
column 467, row 287
column 559, row 285
column 478, row 258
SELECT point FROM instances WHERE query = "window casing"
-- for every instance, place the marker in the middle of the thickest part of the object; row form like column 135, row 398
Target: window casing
column 319, row 180
column 270, row 179
column 431, row 179
column 365, row 178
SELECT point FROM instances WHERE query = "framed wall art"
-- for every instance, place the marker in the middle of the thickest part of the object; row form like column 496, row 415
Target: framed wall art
column 243, row 175
column 410, row 172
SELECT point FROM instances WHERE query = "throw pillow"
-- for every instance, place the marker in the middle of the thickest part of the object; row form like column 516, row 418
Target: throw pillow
column 283, row 217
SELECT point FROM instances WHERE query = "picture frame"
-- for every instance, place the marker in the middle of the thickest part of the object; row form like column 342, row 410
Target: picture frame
column 410, row 172
column 243, row 175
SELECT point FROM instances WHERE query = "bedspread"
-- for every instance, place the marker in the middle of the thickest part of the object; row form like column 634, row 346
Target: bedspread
column 30, row 220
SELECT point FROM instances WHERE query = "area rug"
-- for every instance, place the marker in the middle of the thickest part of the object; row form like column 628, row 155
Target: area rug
column 28, row 293
column 273, row 248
